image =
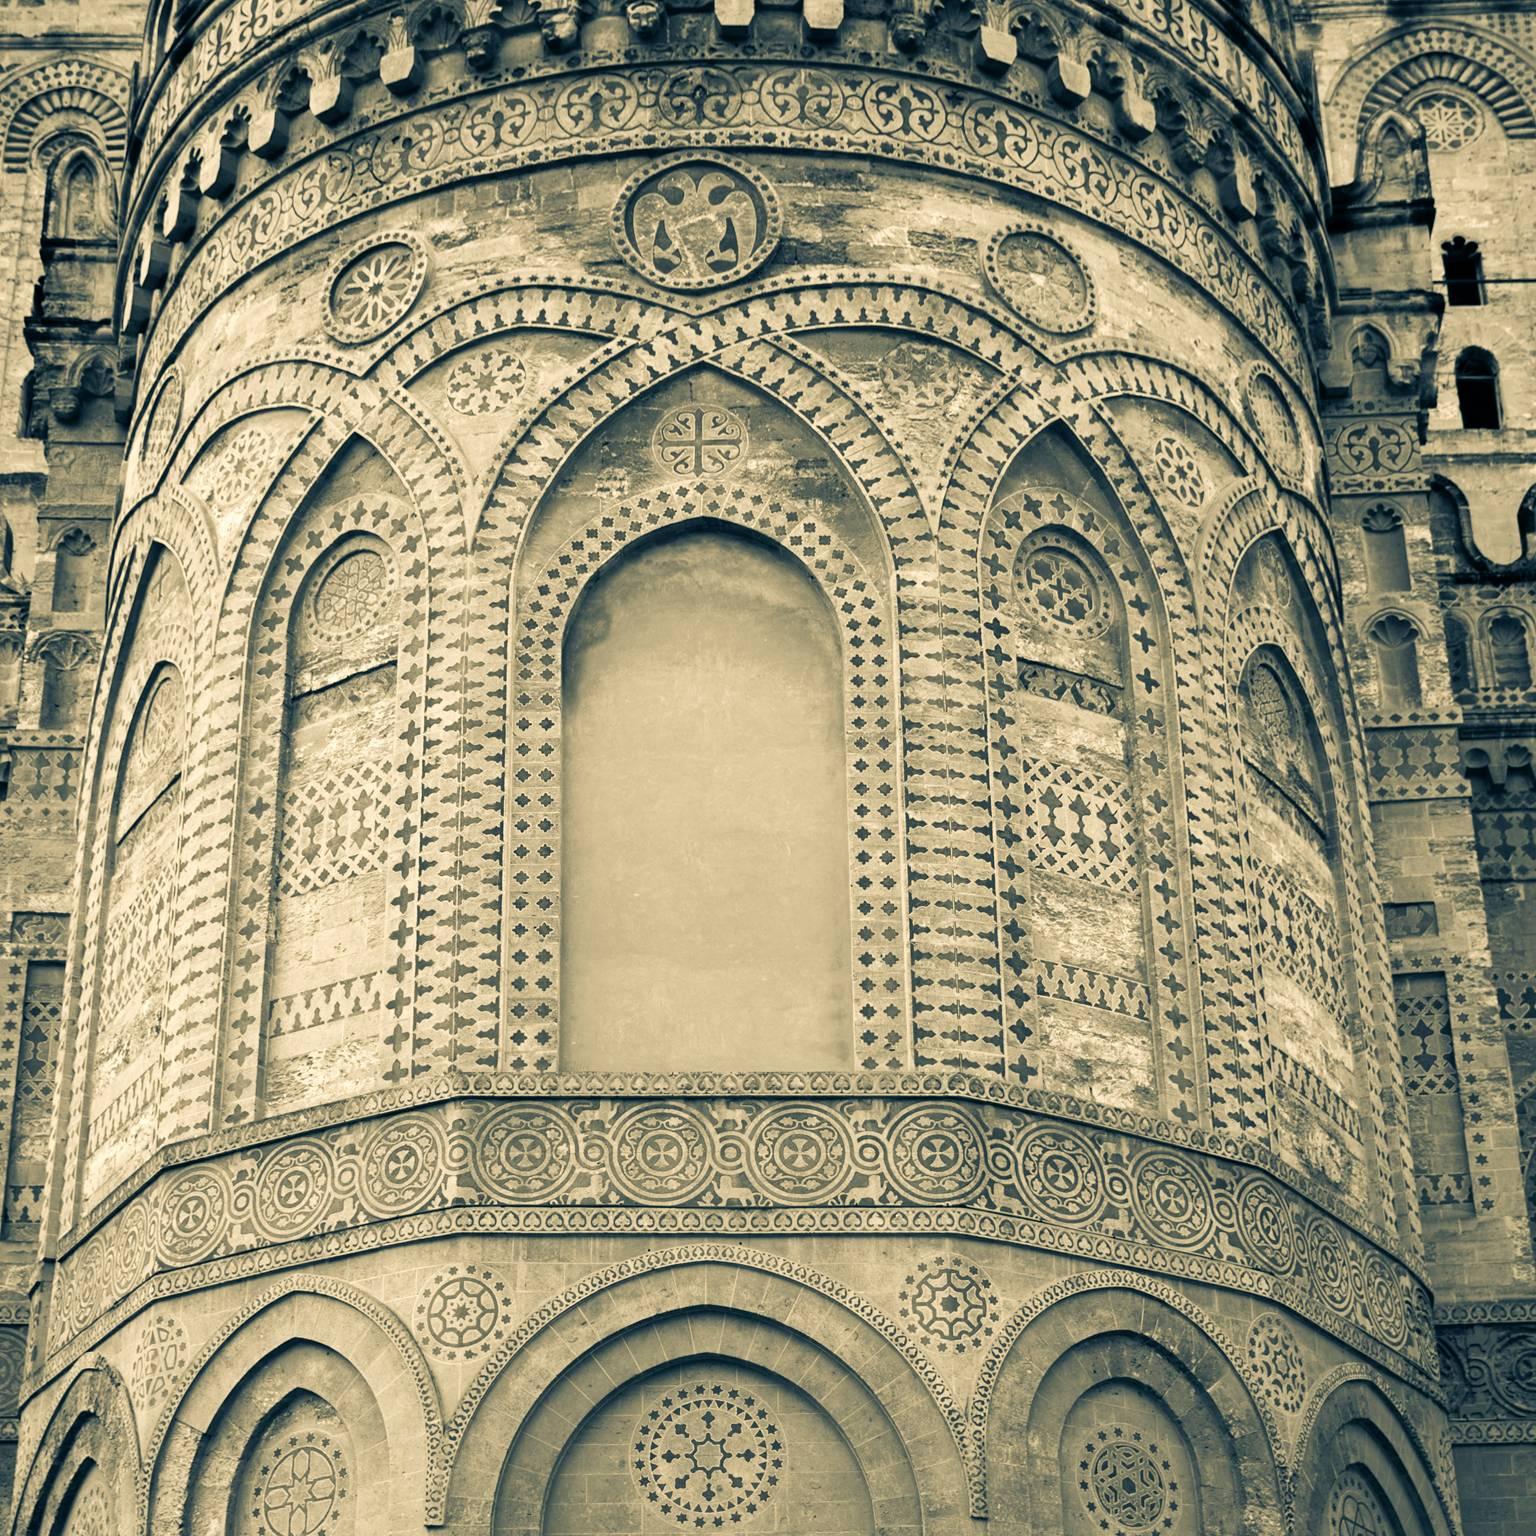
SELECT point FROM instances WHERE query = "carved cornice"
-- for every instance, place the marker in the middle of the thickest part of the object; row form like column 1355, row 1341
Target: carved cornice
column 736, row 1166
column 323, row 108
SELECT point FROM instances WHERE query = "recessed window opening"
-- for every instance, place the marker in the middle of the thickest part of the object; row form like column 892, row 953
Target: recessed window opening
column 1463, row 272
column 1477, row 389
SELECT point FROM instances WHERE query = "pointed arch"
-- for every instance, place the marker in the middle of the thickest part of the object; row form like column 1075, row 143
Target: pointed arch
column 78, row 200
column 335, row 1345
column 1084, row 731
column 90, row 1439
column 545, row 594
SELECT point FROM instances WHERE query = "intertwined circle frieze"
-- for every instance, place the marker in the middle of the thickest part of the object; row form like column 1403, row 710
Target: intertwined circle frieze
column 1170, row 1197
column 936, row 1154
column 662, row 1152
column 1060, row 1174
column 525, row 1152
column 707, row 1455
column 402, row 1164
column 194, row 1213
column 1267, row 1232
column 164, row 420
column 801, row 1155
column 293, row 1189
column 693, row 222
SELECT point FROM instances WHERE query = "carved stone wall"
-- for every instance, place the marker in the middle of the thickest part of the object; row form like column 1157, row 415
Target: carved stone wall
column 1053, row 1163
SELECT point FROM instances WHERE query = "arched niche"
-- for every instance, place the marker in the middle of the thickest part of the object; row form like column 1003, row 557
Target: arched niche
column 698, row 451
column 1112, row 1411
column 813, row 1443
column 1083, row 739
column 72, row 570
column 130, row 934
column 84, row 1472
column 1359, row 1471
column 299, row 1439
column 79, row 197
column 704, row 849
column 307, row 1358
column 328, row 981
column 703, row 1444
column 1299, row 836
column 330, row 762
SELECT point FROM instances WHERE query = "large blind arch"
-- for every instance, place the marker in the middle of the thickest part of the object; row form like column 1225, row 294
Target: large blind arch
column 876, row 1023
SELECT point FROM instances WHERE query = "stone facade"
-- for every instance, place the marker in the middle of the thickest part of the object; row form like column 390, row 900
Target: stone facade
column 770, row 766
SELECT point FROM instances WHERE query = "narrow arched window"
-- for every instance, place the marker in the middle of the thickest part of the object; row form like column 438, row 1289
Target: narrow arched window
column 72, row 571
column 1386, row 550
column 1458, row 652
column 704, row 849
column 1477, row 389
column 1463, row 263
column 66, row 681
column 1510, row 653
column 1395, row 643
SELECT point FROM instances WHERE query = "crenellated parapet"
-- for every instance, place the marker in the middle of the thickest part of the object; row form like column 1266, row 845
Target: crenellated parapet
column 1180, row 128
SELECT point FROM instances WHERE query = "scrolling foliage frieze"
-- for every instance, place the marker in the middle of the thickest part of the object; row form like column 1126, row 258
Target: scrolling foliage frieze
column 751, row 1165
column 761, row 104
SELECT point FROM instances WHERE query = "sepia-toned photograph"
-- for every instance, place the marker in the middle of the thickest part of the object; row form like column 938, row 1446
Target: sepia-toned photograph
column 766, row 767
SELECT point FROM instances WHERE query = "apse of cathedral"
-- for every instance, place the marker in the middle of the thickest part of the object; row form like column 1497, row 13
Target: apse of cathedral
column 767, row 765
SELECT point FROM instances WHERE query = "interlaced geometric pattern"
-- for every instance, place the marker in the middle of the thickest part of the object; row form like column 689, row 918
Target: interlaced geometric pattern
column 1424, row 1034
column 1125, row 1482
column 1449, row 120
column 1080, row 824
column 334, row 827
column 708, row 1455
column 1062, row 590
column 300, row 1486
column 953, row 1303
column 138, row 941
column 1298, row 935
column 1353, row 1509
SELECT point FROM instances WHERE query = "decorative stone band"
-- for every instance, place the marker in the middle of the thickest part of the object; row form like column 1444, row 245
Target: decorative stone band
column 775, row 106
column 1488, row 1370
column 1168, row 66
column 736, row 1166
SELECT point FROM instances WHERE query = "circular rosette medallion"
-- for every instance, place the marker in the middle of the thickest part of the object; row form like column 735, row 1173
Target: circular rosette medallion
column 1328, row 1264
column 801, row 1154
column 373, row 284
column 1265, row 1227
column 1059, row 1174
column 662, row 1153
column 693, row 222
column 401, row 1166
column 1036, row 272
column 1169, row 1197
column 524, row 1152
column 1276, row 1361
column 293, row 1190
column 1384, row 1303
column 707, row 1454
column 464, row 1312
column 936, row 1154
column 194, row 1216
